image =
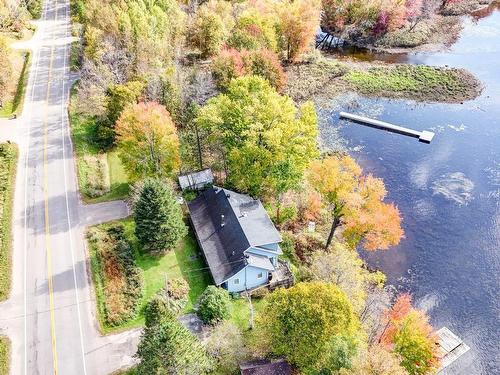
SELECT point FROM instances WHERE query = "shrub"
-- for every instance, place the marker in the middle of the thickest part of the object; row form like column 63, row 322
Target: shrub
column 118, row 280
column 8, row 161
column 214, row 305
column 265, row 63
column 158, row 217
column 177, row 288
column 230, row 64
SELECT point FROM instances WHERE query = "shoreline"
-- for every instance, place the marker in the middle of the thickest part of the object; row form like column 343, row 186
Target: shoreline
column 327, row 78
column 441, row 31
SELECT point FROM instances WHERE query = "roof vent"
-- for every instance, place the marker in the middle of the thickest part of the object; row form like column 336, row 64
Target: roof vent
column 228, row 195
column 243, row 214
column 222, row 223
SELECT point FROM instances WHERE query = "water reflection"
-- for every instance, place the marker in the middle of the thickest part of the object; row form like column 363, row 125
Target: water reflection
column 448, row 192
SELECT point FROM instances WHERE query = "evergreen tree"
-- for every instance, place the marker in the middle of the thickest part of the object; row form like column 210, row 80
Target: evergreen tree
column 167, row 347
column 158, row 217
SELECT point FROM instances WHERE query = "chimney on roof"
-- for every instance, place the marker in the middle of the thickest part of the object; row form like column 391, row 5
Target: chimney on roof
column 222, row 223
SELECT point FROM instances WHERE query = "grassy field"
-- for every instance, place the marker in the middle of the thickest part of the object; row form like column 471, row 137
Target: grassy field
column 8, row 162
column 101, row 176
column 4, row 355
column 417, row 82
column 21, row 61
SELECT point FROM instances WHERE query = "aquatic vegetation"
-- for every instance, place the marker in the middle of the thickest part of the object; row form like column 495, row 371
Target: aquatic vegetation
column 419, row 82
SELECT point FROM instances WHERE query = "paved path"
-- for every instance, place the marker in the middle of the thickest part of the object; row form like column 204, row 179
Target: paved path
column 50, row 316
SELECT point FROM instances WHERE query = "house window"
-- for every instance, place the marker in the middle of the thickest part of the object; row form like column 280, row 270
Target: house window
column 236, row 281
column 259, row 275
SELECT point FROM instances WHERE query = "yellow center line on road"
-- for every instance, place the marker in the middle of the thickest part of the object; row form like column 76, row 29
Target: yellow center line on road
column 46, row 198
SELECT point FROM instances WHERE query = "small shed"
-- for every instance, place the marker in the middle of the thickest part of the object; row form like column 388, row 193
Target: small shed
column 196, row 180
column 266, row 367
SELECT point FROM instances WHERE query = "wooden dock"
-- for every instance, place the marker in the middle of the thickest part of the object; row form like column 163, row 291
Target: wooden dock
column 451, row 347
column 422, row 136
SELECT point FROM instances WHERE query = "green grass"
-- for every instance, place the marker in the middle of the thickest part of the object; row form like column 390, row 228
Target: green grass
column 184, row 262
column 4, row 355
column 75, row 61
column 417, row 82
column 88, row 157
column 14, row 106
column 8, row 162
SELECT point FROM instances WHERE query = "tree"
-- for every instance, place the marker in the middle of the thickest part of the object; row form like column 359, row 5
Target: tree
column 409, row 334
column 254, row 30
column 301, row 322
column 158, row 310
column 298, row 22
column 231, row 63
column 226, row 346
column 376, row 361
column 147, row 141
column 166, row 347
column 214, row 305
column 266, row 144
column 158, row 217
column 344, row 268
column 211, row 26
column 356, row 201
column 118, row 97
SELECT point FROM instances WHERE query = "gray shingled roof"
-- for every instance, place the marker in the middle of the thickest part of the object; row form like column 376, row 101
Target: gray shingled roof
column 196, row 180
column 266, row 367
column 226, row 224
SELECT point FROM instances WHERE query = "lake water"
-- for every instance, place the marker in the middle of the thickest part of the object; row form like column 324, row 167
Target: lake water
column 448, row 193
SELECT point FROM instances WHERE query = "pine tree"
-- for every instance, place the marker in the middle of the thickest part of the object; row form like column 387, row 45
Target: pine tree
column 167, row 347
column 158, row 217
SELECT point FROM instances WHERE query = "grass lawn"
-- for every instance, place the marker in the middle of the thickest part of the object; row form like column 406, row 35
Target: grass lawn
column 21, row 61
column 101, row 176
column 184, row 262
column 8, row 162
column 4, row 355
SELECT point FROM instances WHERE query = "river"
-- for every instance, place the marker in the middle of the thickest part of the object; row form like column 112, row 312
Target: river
column 448, row 193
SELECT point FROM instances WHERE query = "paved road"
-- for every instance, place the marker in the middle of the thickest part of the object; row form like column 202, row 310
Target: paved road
column 50, row 316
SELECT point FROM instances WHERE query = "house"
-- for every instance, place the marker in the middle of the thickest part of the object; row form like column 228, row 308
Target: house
column 238, row 239
column 266, row 367
column 196, row 180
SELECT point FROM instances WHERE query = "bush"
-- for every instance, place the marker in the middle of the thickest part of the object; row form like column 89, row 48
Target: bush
column 230, row 64
column 177, row 288
column 158, row 217
column 8, row 161
column 119, row 282
column 214, row 305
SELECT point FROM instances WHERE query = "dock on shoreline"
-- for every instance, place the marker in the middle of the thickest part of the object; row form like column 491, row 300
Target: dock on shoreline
column 452, row 347
column 424, row 136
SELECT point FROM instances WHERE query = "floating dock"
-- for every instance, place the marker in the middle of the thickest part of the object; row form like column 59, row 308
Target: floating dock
column 422, row 136
column 451, row 347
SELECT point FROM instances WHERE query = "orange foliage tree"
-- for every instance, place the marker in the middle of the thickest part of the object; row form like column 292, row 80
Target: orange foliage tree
column 356, row 202
column 409, row 334
column 298, row 22
column 147, row 140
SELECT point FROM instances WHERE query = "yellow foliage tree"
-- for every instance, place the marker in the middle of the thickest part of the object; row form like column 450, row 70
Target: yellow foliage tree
column 147, row 140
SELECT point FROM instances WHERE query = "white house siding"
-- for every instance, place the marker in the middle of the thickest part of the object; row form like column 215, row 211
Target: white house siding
column 252, row 280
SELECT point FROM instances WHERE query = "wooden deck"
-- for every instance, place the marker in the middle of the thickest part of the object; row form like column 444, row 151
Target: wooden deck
column 451, row 346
